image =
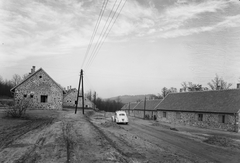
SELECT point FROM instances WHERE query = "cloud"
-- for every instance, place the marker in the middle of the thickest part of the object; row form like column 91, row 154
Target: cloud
column 38, row 28
column 228, row 22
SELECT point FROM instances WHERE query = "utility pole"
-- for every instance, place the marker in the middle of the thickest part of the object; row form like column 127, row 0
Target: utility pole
column 144, row 107
column 79, row 85
column 129, row 108
column 94, row 100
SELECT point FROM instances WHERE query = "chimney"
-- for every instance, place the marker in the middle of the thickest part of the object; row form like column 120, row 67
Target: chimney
column 33, row 70
column 238, row 85
column 67, row 87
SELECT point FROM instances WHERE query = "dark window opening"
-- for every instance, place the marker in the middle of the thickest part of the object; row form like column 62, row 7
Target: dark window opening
column 165, row 114
column 44, row 98
column 25, row 95
column 222, row 119
column 40, row 76
column 31, row 96
column 200, row 117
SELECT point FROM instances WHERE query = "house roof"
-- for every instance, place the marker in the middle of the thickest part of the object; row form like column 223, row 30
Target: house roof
column 132, row 106
column 223, row 101
column 29, row 76
column 150, row 104
column 70, row 91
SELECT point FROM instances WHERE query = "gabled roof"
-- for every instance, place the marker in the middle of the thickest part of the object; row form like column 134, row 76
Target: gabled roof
column 29, row 76
column 150, row 104
column 70, row 91
column 223, row 101
column 132, row 106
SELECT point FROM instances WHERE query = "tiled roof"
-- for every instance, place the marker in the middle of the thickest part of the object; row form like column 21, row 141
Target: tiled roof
column 223, row 101
column 132, row 106
column 150, row 105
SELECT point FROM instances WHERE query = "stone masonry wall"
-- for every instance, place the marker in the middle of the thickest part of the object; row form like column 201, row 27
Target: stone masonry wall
column 37, row 85
column 69, row 100
column 210, row 120
column 149, row 114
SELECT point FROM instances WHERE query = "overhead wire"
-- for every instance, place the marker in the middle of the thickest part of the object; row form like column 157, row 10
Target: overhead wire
column 102, row 33
column 106, row 33
column 105, row 2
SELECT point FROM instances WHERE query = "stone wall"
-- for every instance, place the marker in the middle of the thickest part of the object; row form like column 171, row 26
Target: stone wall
column 140, row 114
column 70, row 98
column 209, row 120
column 40, row 84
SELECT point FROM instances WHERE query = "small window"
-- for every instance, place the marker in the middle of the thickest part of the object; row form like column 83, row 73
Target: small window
column 44, row 98
column 25, row 95
column 40, row 76
column 222, row 119
column 165, row 114
column 31, row 96
column 200, row 117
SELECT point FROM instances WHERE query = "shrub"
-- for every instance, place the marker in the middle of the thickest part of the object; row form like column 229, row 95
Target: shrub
column 19, row 109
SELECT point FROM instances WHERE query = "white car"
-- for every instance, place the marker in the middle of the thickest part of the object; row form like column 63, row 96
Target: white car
column 120, row 117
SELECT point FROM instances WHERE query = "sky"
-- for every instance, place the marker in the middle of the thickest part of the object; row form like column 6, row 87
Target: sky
column 151, row 45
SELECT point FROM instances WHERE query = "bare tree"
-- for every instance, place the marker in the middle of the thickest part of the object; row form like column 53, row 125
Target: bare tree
column 192, row 87
column 25, row 76
column 172, row 90
column 219, row 84
column 89, row 95
column 16, row 79
column 164, row 92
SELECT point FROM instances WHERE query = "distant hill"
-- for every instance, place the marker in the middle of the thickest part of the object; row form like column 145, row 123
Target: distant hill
column 131, row 98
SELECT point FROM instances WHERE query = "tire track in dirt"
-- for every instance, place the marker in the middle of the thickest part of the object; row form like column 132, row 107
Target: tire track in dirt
column 89, row 144
column 9, row 135
column 122, row 146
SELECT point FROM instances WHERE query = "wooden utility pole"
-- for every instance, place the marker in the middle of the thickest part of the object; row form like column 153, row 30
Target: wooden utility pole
column 129, row 108
column 94, row 100
column 79, row 87
column 144, row 107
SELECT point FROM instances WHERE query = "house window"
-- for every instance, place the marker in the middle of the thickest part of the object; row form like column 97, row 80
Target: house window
column 222, row 118
column 200, row 117
column 25, row 96
column 31, row 96
column 44, row 98
column 164, row 114
column 40, row 76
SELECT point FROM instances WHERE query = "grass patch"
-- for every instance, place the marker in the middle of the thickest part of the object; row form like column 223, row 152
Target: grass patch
column 222, row 142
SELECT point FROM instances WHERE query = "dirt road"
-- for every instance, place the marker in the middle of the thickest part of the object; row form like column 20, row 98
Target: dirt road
column 74, row 138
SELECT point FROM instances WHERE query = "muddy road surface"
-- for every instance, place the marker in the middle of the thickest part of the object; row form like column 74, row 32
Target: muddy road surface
column 72, row 138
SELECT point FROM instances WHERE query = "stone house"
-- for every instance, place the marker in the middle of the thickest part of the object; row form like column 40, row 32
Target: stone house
column 71, row 96
column 42, row 91
column 149, row 111
column 129, row 108
column 207, row 109
column 137, row 109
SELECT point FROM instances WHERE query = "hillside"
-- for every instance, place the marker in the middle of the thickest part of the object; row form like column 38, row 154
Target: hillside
column 130, row 98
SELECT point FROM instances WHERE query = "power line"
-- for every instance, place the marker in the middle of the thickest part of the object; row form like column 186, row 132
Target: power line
column 105, row 2
column 102, row 33
column 106, row 34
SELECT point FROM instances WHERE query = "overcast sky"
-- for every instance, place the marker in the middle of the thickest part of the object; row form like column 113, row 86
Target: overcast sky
column 153, row 43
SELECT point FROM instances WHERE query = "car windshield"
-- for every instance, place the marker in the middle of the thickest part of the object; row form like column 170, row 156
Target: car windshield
column 121, row 114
